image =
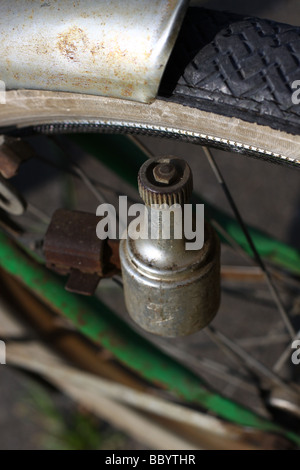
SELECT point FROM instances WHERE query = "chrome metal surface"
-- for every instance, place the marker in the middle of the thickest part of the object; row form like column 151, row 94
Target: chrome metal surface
column 116, row 48
column 169, row 291
column 286, row 400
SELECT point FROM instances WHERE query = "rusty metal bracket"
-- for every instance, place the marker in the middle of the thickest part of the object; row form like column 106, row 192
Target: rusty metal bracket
column 72, row 247
column 13, row 151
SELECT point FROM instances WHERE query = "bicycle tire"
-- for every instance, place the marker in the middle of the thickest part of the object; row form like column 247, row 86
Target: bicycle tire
column 228, row 84
column 243, row 68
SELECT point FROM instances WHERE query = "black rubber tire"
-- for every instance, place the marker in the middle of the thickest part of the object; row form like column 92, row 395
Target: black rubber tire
column 236, row 66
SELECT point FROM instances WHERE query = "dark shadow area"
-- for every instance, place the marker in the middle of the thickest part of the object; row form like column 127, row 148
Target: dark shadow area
column 199, row 28
column 294, row 229
column 248, row 7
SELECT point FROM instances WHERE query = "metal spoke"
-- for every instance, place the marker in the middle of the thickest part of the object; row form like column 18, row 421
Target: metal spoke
column 257, row 256
column 233, row 350
column 224, row 373
column 82, row 174
column 279, row 275
column 284, row 356
column 230, row 240
column 218, row 370
column 38, row 213
column 68, row 169
column 263, row 341
column 140, row 145
column 89, row 184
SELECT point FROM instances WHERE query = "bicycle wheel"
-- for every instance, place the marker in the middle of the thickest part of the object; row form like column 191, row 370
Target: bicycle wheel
column 242, row 101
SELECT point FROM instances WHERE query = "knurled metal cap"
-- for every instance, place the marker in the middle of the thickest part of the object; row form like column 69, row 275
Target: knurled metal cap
column 165, row 180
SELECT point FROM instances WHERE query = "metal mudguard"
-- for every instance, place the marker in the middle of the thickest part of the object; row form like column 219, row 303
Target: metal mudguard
column 111, row 48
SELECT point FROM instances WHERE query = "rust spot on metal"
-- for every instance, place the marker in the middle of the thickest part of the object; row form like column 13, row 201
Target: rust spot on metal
column 128, row 91
column 117, row 40
column 111, row 258
column 72, row 41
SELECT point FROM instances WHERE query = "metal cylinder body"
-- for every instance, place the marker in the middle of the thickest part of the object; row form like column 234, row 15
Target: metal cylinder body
column 170, row 288
column 169, row 291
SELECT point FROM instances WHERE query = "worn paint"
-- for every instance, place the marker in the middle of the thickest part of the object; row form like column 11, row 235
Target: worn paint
column 117, row 49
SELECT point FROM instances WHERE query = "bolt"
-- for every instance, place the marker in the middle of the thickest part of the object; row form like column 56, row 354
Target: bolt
column 165, row 173
column 165, row 178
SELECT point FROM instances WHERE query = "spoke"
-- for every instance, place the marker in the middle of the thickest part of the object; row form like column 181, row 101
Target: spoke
column 224, row 373
column 216, row 369
column 233, row 350
column 284, row 356
column 88, row 183
column 230, row 240
column 140, row 145
column 70, row 171
column 38, row 213
column 257, row 256
column 81, row 173
column 263, row 341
